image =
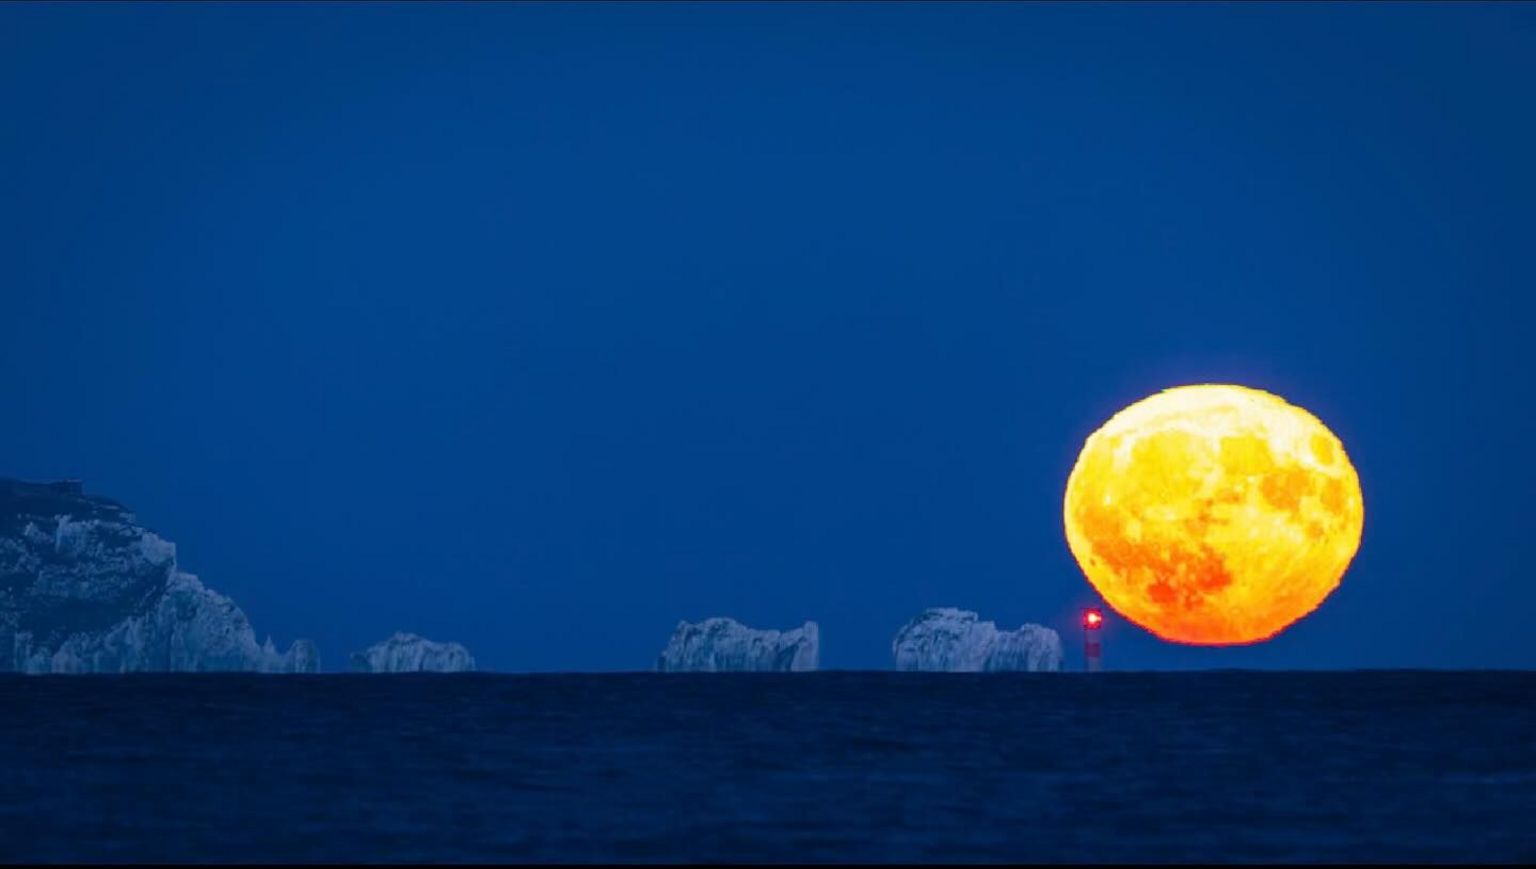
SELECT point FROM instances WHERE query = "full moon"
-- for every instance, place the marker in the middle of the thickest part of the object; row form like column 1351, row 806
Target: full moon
column 1214, row 514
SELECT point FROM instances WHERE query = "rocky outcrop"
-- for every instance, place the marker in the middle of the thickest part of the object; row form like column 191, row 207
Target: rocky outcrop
column 408, row 653
column 302, row 657
column 721, row 644
column 85, row 589
column 956, row 641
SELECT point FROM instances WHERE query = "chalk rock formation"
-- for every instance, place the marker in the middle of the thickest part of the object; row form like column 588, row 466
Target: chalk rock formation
column 85, row 589
column 954, row 640
column 721, row 644
column 408, row 653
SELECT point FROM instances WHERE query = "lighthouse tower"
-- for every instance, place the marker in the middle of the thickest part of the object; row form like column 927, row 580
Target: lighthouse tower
column 1093, row 649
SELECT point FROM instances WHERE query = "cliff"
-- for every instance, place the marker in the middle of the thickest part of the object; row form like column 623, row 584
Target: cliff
column 85, row 589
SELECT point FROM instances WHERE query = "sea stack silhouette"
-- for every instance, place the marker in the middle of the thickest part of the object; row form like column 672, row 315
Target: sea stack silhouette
column 408, row 653
column 726, row 645
column 945, row 639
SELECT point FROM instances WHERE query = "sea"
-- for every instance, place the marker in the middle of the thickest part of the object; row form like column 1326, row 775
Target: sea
column 1228, row 766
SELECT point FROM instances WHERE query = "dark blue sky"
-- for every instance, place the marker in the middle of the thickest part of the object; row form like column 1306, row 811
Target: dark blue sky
column 542, row 327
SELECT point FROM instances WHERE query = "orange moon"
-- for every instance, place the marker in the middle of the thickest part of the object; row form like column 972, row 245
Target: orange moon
column 1214, row 514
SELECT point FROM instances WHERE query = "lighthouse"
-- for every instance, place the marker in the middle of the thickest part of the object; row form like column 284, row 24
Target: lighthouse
column 1093, row 650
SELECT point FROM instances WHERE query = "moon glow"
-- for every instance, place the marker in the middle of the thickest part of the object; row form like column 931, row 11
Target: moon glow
column 1213, row 514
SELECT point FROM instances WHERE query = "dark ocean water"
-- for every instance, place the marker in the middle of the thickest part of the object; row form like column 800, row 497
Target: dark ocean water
column 1233, row 766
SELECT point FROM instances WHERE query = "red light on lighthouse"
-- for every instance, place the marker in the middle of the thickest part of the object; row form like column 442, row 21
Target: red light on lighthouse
column 1093, row 619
